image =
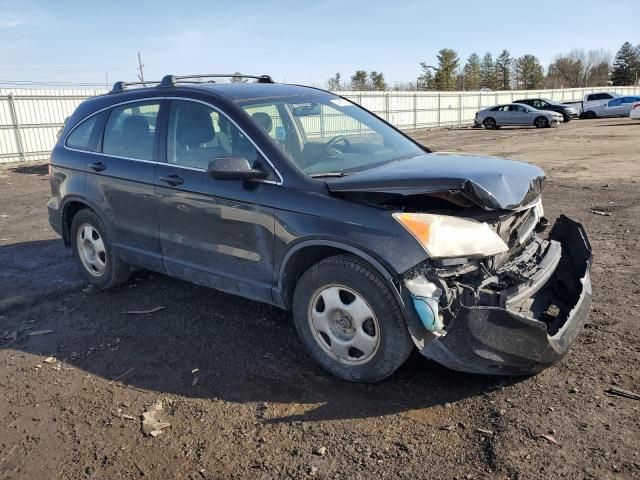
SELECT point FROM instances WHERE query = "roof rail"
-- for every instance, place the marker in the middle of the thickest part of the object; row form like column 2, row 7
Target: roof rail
column 122, row 86
column 172, row 80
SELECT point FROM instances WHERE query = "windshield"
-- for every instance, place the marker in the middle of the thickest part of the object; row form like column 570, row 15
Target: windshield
column 327, row 135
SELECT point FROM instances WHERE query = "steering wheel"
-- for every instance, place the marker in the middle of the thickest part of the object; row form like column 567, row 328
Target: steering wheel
column 335, row 140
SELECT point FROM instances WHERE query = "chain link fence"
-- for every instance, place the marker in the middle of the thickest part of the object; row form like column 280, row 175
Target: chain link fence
column 30, row 119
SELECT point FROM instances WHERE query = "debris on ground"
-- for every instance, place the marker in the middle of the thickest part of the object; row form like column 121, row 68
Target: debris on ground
column 484, row 431
column 620, row 392
column 118, row 413
column 549, row 438
column 35, row 333
column 320, row 451
column 144, row 312
column 49, row 360
column 151, row 424
column 600, row 212
column 121, row 375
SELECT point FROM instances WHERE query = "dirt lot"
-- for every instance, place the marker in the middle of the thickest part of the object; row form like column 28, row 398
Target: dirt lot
column 258, row 407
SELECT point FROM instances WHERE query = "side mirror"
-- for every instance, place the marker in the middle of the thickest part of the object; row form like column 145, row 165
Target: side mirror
column 233, row 168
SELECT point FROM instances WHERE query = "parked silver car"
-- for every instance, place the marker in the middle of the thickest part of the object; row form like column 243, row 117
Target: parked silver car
column 516, row 114
column 618, row 107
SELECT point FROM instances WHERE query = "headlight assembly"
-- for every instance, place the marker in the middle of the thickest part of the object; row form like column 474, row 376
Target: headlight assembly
column 444, row 236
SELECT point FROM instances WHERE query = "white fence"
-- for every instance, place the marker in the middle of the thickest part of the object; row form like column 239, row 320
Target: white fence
column 30, row 119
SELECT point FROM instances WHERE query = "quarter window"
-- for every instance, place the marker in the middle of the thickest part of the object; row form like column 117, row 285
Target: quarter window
column 86, row 136
column 130, row 131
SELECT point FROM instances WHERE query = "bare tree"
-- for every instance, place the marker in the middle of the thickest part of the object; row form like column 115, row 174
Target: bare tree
column 579, row 68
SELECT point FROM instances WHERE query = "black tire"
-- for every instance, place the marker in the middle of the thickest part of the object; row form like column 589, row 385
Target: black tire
column 489, row 124
column 116, row 272
column 566, row 118
column 541, row 122
column 589, row 115
column 395, row 343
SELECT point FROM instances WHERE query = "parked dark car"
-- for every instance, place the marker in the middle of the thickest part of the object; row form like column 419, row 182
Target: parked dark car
column 568, row 112
column 297, row 197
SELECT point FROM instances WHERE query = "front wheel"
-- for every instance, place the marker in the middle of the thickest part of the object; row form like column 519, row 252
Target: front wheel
column 490, row 124
column 349, row 320
column 94, row 253
column 541, row 122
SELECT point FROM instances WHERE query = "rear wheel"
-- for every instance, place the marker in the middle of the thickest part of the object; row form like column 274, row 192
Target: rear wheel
column 94, row 253
column 349, row 320
column 489, row 123
column 541, row 122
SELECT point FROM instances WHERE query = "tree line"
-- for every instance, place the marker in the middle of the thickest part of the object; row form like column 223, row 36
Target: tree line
column 578, row 68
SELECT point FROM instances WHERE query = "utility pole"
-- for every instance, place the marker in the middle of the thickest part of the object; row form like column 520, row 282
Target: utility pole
column 106, row 79
column 140, row 65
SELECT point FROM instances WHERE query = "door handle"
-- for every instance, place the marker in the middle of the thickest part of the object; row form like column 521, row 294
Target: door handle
column 97, row 166
column 172, row 179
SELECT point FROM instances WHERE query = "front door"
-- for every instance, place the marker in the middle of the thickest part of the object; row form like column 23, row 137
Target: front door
column 217, row 233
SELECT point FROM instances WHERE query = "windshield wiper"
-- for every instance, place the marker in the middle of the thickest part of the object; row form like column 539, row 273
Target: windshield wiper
column 329, row 174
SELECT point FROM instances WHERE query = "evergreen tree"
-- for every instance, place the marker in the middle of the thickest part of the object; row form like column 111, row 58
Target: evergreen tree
column 488, row 72
column 425, row 81
column 503, row 70
column 359, row 80
column 377, row 81
column 626, row 65
column 445, row 77
column 472, row 72
column 529, row 72
column 334, row 82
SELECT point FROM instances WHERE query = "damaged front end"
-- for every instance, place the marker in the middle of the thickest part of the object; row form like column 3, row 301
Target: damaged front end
column 509, row 314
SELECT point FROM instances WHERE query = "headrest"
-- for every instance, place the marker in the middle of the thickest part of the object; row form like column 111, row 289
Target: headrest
column 196, row 126
column 135, row 127
column 264, row 120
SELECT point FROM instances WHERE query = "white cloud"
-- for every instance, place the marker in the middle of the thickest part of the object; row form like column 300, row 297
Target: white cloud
column 9, row 22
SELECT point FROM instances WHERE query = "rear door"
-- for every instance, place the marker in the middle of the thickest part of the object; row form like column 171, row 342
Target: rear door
column 501, row 115
column 120, row 181
column 218, row 233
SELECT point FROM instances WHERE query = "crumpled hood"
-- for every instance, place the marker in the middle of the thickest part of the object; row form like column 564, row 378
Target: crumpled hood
column 490, row 182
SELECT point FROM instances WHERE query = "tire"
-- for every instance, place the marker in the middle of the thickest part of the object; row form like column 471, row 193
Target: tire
column 566, row 118
column 589, row 115
column 332, row 330
column 489, row 123
column 541, row 122
column 94, row 252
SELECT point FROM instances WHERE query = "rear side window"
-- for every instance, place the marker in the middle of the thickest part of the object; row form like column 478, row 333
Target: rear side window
column 86, row 135
column 130, row 131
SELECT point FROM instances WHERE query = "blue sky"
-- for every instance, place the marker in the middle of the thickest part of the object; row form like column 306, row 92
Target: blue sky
column 295, row 41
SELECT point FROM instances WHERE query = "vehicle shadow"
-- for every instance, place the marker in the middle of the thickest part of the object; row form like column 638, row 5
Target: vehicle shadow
column 244, row 351
column 39, row 169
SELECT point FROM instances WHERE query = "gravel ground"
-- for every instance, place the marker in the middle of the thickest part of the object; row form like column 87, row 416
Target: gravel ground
column 244, row 401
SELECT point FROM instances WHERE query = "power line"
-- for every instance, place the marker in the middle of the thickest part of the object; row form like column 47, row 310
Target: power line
column 36, row 69
column 47, row 83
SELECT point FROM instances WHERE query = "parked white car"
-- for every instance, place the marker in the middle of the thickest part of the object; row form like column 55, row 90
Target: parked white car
column 597, row 98
column 635, row 111
column 618, row 107
column 516, row 114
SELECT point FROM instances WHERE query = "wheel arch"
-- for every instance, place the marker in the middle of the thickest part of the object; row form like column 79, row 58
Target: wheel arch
column 70, row 208
column 304, row 255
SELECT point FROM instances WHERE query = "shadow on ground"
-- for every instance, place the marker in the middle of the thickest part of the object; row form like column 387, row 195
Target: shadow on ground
column 243, row 351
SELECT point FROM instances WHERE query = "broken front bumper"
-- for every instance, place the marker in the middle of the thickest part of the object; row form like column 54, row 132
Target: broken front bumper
column 517, row 341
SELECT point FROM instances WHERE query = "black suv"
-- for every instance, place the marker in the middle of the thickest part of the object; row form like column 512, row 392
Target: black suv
column 297, row 197
column 568, row 112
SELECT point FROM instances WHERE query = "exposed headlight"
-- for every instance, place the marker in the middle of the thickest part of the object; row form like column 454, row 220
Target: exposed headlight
column 443, row 236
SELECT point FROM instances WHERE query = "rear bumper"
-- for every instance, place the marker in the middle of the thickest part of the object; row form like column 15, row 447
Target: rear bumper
column 55, row 219
column 506, row 341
